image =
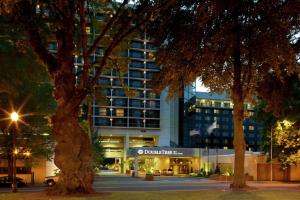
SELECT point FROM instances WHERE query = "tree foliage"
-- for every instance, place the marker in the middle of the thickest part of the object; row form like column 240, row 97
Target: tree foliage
column 287, row 137
column 231, row 45
column 281, row 105
column 68, row 24
column 24, row 87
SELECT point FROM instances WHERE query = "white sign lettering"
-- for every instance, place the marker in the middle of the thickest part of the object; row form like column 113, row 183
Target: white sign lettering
column 158, row 152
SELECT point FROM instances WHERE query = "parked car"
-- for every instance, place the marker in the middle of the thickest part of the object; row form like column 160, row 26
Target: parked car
column 6, row 181
column 50, row 180
column 167, row 172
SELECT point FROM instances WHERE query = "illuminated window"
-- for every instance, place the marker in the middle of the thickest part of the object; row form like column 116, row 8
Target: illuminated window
column 198, row 110
column 251, row 128
column 216, row 111
column 102, row 111
column 88, row 29
column 120, row 112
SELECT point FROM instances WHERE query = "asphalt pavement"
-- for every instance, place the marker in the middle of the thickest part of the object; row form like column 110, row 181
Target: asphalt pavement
column 119, row 182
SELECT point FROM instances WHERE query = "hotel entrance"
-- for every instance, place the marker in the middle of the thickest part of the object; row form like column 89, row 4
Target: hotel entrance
column 164, row 161
column 181, row 166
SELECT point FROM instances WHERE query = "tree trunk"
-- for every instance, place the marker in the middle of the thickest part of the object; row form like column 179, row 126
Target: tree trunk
column 72, row 153
column 238, row 109
column 239, row 145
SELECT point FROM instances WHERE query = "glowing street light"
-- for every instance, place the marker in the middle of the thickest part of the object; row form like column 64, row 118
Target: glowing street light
column 27, row 153
column 14, row 116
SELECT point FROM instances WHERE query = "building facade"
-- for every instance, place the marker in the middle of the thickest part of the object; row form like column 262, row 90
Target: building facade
column 208, row 123
column 143, row 119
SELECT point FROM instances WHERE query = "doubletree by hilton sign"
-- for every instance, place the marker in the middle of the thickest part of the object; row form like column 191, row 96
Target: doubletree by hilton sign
column 158, row 152
column 161, row 151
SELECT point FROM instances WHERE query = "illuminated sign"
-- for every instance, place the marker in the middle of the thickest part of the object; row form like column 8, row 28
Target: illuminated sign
column 158, row 152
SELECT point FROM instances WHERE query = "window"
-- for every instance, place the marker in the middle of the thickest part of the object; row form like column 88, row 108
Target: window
column 198, row 110
column 151, row 104
column 226, row 119
column 216, row 118
column 225, row 134
column 102, row 111
column 120, row 112
column 137, row 45
column 225, row 126
column 251, row 128
column 218, row 104
column 207, row 111
column 216, row 111
column 226, row 105
column 152, row 95
column 136, row 64
column 206, row 118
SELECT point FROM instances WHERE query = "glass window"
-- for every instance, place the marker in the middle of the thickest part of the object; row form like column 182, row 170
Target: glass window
column 136, row 54
column 216, row 111
column 136, row 83
column 102, row 112
column 152, row 65
column 120, row 112
column 119, row 102
column 99, row 121
column 251, row 128
column 119, row 122
column 152, row 104
column 152, row 113
column 152, row 123
column 218, row 104
column 152, row 95
column 226, row 105
column 136, row 64
column 136, row 113
column 136, row 103
column 137, row 44
column 136, row 123
column 136, row 74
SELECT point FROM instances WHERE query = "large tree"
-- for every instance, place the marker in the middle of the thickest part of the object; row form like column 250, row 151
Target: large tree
column 68, row 23
column 231, row 46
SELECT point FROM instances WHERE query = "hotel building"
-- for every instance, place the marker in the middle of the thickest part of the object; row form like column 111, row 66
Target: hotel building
column 208, row 120
column 142, row 120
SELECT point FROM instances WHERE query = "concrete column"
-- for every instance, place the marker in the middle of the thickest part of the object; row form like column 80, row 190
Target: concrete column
column 136, row 166
column 126, row 147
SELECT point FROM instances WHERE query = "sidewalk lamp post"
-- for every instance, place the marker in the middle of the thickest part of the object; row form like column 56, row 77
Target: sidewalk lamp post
column 14, row 116
column 271, row 156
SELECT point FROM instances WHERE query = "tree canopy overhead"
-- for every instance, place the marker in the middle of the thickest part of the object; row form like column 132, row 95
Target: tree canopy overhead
column 69, row 24
column 231, row 45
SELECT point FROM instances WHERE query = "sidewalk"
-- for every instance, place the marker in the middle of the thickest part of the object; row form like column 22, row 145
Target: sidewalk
column 275, row 184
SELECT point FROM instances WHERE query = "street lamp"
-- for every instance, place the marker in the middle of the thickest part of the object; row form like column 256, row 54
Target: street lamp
column 271, row 156
column 14, row 116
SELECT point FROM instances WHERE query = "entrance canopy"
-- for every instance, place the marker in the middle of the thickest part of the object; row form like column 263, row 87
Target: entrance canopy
column 163, row 151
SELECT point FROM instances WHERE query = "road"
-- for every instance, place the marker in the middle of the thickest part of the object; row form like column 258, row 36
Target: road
column 110, row 183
